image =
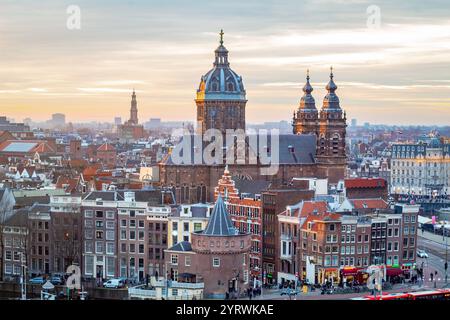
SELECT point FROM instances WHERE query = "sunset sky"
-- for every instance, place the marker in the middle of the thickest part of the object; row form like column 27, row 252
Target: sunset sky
column 396, row 74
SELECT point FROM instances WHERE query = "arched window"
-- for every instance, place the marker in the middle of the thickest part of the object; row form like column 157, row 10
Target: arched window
column 230, row 86
column 215, row 86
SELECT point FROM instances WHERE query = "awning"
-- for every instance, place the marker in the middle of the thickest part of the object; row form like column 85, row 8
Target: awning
column 392, row 272
column 349, row 271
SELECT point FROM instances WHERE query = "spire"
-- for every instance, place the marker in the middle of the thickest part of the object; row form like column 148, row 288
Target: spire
column 307, row 89
column 331, row 86
column 307, row 102
column 221, row 36
column 331, row 100
column 221, row 54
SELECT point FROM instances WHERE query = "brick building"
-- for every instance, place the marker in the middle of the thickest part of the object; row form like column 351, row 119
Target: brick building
column 366, row 188
column 217, row 256
column 245, row 210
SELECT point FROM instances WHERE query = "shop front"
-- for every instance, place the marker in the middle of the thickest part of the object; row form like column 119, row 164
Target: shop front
column 408, row 269
column 353, row 275
column 329, row 274
column 394, row 274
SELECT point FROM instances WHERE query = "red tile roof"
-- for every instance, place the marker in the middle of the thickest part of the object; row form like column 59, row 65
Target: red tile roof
column 369, row 203
column 324, row 217
column 307, row 208
column 365, row 183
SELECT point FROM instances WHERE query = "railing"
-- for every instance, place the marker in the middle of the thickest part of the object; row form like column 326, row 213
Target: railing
column 138, row 292
column 179, row 285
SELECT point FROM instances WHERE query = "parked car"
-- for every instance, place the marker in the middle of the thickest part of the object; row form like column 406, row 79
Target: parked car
column 56, row 280
column 114, row 283
column 37, row 280
column 422, row 254
column 289, row 292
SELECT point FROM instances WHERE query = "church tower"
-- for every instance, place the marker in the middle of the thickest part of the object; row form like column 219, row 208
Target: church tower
column 306, row 119
column 133, row 110
column 221, row 96
column 332, row 128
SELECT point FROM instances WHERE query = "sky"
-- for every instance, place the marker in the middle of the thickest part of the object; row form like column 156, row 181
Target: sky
column 396, row 71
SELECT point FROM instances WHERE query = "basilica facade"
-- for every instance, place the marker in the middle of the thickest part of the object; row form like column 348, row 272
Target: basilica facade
column 316, row 147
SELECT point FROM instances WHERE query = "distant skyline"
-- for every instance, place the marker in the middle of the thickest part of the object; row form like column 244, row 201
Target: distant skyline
column 396, row 75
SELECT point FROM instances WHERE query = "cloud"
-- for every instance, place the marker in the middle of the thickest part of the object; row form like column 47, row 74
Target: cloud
column 106, row 90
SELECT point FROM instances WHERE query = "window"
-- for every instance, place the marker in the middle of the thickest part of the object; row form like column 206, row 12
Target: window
column 132, row 248
column 99, row 224
column 197, row 226
column 123, row 247
column 109, row 224
column 174, row 259
column 174, row 226
column 141, row 223
column 109, row 214
column 216, row 262
column 99, row 247
column 141, row 248
column 88, row 247
column 88, row 214
column 187, row 261
column 99, row 235
column 133, row 223
column 132, row 235
column 8, row 255
column 110, row 248
column 141, row 235
column 99, row 214
column 186, row 226
column 123, row 235
column 123, row 223
column 109, row 235
column 88, row 233
column 110, row 267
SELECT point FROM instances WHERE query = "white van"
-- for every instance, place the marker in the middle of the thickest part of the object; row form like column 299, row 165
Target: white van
column 114, row 283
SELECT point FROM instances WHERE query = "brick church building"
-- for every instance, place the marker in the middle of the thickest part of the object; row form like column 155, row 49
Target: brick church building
column 316, row 147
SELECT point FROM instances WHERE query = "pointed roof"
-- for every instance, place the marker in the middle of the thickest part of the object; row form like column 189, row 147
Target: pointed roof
column 220, row 223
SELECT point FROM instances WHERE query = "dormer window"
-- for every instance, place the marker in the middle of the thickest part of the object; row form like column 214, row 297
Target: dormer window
column 230, row 86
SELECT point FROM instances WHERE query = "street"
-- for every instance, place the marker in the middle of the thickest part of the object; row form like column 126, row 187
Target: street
column 435, row 247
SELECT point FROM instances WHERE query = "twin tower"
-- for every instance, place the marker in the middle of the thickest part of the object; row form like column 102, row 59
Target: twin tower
column 221, row 105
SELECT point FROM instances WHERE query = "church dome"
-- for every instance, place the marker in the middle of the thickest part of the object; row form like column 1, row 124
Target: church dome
column 221, row 83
